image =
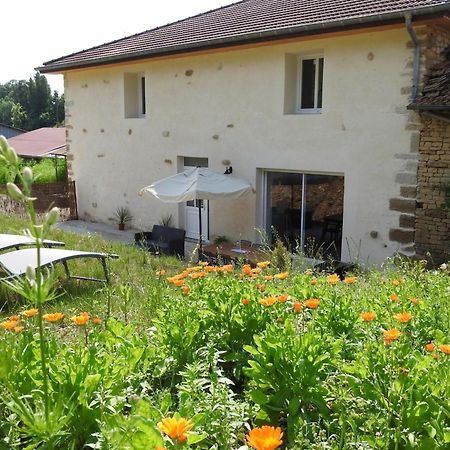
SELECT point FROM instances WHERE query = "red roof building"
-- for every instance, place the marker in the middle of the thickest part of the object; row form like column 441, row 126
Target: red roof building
column 40, row 143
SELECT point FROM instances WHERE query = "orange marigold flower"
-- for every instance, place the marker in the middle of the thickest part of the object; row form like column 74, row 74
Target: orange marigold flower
column 176, row 429
column 430, row 347
column 245, row 301
column 367, row 316
column 350, row 280
column 203, row 263
column 160, row 273
column 268, row 301
column 308, row 272
column 393, row 298
column 227, row 268
column 268, row 277
column 30, row 312
column 197, row 275
column 283, row 298
column 414, row 300
column 19, row 329
column 178, row 283
column 96, row 321
column 297, row 306
column 261, row 287
column 256, row 270
column 53, row 317
column 8, row 325
column 80, row 320
column 265, row 438
column 444, row 348
column 185, row 290
column 403, row 317
column 281, row 276
column 84, row 313
column 312, row 303
column 14, row 318
column 397, row 282
column 333, row 279
column 391, row 335
column 246, row 268
column 263, row 264
column 313, row 282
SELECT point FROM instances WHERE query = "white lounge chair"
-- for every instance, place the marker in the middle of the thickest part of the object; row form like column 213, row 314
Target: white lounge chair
column 16, row 241
column 15, row 263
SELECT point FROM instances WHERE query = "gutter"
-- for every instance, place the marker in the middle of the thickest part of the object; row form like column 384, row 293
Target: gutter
column 317, row 28
column 416, row 69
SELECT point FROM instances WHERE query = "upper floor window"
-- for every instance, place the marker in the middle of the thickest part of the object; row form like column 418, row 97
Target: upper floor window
column 310, row 79
column 134, row 95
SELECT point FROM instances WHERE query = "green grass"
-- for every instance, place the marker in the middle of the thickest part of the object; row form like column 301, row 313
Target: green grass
column 46, row 170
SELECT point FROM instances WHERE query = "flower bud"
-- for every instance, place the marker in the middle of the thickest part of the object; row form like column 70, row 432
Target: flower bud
column 27, row 175
column 11, row 156
column 3, row 144
column 30, row 273
column 14, row 192
column 52, row 216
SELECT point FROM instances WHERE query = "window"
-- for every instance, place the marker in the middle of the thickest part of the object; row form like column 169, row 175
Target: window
column 310, row 82
column 134, row 95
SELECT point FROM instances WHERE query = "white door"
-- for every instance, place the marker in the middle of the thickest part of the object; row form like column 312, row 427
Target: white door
column 192, row 219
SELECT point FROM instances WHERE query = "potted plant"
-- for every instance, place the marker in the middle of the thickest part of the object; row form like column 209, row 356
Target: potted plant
column 123, row 216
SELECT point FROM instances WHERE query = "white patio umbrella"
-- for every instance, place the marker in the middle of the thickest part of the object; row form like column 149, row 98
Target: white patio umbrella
column 198, row 183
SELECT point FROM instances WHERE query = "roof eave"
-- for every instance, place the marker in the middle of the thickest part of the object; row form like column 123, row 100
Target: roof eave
column 319, row 28
column 425, row 107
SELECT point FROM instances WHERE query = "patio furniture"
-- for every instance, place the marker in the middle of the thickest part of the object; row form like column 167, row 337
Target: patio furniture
column 8, row 241
column 229, row 252
column 162, row 239
column 15, row 263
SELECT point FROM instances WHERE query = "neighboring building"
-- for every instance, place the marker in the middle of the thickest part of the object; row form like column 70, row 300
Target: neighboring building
column 40, row 143
column 9, row 132
column 306, row 100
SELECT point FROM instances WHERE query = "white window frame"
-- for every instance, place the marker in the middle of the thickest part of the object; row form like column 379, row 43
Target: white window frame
column 315, row 110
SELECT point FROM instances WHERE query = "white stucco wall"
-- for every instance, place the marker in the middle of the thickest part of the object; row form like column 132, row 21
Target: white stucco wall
column 360, row 129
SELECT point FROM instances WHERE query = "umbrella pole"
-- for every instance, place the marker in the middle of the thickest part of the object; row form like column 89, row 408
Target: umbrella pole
column 200, row 243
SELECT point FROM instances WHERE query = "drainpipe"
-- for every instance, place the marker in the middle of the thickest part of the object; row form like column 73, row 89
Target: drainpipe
column 416, row 69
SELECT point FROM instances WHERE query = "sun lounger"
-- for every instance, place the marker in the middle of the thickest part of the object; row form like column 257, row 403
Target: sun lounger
column 16, row 241
column 15, row 263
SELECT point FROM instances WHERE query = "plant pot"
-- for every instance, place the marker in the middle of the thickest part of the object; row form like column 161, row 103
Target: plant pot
column 121, row 226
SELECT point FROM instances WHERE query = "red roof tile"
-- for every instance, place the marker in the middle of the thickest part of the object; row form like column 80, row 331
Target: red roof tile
column 248, row 21
column 40, row 142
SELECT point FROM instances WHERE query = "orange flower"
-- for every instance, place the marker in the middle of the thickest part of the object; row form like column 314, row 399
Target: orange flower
column 445, row 348
column 227, row 268
column 80, row 320
column 265, row 438
column 14, row 318
column 268, row 301
column 367, row 316
column 256, row 270
column 308, row 272
column 430, row 347
column 53, row 317
column 197, row 275
column 177, row 429
column 393, row 298
column 350, row 280
column 185, row 290
column 312, row 303
column 261, row 287
column 19, row 329
column 397, row 282
column 203, row 263
column 414, row 300
column 160, row 273
column 281, row 276
column 313, row 282
column 283, row 298
column 333, row 279
column 30, row 312
column 268, row 277
column 263, row 264
column 212, row 269
column 178, row 283
column 8, row 325
column 245, row 301
column 96, row 321
column 297, row 307
column 246, row 268
column 391, row 335
column 403, row 317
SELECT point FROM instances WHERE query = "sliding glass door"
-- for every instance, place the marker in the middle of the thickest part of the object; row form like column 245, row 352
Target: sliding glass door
column 306, row 212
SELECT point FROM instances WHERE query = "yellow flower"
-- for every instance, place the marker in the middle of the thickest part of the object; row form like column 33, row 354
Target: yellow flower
column 367, row 316
column 263, row 264
column 333, row 279
column 19, row 329
column 391, row 335
column 53, row 317
column 256, row 271
column 397, row 282
column 312, row 303
column 80, row 320
column 268, row 301
column 30, row 312
column 403, row 317
column 8, row 325
column 350, row 280
column 176, row 429
column 281, row 276
column 265, row 438
column 160, row 273
column 268, row 277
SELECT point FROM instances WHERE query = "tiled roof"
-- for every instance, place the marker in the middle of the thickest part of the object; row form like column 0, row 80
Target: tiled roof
column 248, row 21
column 436, row 91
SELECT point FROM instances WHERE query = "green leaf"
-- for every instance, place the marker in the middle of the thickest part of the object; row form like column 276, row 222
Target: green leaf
column 294, row 406
column 196, row 438
column 259, row 397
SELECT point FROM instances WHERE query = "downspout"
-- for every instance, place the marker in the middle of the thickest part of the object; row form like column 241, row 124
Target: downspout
column 416, row 67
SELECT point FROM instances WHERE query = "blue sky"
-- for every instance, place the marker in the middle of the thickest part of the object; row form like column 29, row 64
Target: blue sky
column 33, row 32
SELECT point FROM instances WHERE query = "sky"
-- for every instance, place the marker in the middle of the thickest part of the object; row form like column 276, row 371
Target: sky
column 33, row 32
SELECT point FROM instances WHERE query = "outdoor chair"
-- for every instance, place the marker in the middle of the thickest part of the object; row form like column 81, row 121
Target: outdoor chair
column 8, row 241
column 15, row 263
column 162, row 239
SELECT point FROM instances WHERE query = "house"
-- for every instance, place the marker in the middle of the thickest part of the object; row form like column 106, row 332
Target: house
column 9, row 131
column 306, row 100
